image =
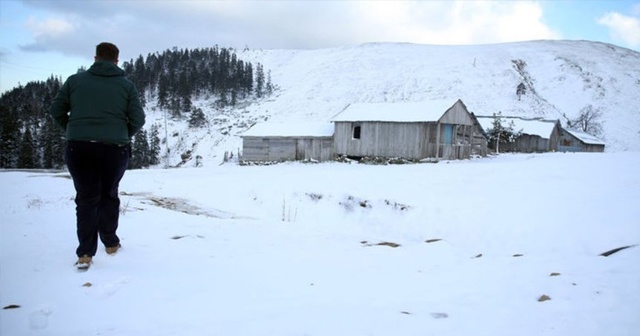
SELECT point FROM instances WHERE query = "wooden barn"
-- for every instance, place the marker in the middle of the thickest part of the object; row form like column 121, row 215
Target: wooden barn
column 537, row 135
column 576, row 141
column 414, row 130
column 288, row 142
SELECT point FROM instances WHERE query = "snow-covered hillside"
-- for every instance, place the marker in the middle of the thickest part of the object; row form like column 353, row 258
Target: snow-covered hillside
column 561, row 78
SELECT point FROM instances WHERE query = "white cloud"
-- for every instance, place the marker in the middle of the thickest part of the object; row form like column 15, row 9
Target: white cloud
column 140, row 27
column 453, row 22
column 49, row 28
column 623, row 29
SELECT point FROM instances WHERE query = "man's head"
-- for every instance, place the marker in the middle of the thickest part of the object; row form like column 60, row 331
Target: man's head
column 106, row 51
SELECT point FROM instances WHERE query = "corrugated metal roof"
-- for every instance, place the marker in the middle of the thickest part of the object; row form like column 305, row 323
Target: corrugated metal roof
column 293, row 129
column 425, row 111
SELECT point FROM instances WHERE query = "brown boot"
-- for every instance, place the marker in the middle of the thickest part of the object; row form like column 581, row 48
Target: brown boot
column 83, row 262
column 113, row 249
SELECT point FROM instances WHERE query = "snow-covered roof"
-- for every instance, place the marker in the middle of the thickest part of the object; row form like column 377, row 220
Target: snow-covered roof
column 425, row 111
column 585, row 137
column 291, row 129
column 542, row 128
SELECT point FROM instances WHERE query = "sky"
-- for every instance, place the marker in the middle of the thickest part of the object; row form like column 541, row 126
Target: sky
column 41, row 38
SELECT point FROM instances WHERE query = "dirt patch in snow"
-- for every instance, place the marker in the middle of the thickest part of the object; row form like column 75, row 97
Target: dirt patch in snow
column 181, row 205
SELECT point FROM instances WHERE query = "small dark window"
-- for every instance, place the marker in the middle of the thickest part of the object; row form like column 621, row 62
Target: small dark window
column 356, row 132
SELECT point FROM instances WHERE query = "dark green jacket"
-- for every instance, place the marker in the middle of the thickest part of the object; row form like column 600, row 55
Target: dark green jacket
column 99, row 104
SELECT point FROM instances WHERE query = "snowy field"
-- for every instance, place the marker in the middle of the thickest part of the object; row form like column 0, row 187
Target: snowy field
column 454, row 248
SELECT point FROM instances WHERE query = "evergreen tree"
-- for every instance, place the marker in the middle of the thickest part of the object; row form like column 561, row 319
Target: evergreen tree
column 175, row 108
column 223, row 99
column 128, row 69
column 163, row 91
column 27, row 155
column 269, row 84
column 259, row 81
column 248, row 77
column 186, row 105
column 140, row 151
column 9, row 137
column 51, row 141
column 197, row 118
column 234, row 97
column 183, row 87
column 154, row 145
column 499, row 133
column 140, row 75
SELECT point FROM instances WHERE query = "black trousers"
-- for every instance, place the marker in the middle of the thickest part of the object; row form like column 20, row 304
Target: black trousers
column 96, row 169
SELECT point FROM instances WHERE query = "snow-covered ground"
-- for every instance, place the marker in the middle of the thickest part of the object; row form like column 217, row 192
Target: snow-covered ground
column 310, row 249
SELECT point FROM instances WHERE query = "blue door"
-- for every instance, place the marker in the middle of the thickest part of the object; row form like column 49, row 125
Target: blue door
column 447, row 134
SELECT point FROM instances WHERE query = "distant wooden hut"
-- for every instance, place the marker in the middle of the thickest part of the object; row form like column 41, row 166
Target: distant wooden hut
column 288, row 142
column 536, row 135
column 415, row 130
column 576, row 141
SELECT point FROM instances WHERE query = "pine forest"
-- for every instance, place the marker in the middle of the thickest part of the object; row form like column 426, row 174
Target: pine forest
column 29, row 138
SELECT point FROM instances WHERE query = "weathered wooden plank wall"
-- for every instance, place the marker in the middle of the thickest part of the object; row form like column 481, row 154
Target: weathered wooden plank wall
column 456, row 115
column 255, row 149
column 386, row 139
column 286, row 148
column 569, row 143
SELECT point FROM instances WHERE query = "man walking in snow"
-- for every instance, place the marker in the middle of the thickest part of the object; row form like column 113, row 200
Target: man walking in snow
column 100, row 111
